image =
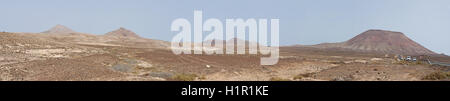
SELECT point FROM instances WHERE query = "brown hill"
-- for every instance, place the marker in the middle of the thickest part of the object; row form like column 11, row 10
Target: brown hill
column 59, row 29
column 122, row 32
column 381, row 41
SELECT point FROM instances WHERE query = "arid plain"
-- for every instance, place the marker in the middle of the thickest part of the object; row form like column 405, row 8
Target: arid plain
column 61, row 54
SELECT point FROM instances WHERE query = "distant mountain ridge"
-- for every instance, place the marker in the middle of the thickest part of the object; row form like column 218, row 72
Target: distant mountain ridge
column 59, row 29
column 122, row 32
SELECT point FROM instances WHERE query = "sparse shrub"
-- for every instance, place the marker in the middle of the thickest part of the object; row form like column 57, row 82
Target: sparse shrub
column 183, row 77
column 437, row 76
column 278, row 79
column 202, row 78
column 301, row 76
column 421, row 63
column 344, row 78
column 338, row 79
column 418, row 62
column 337, row 62
column 403, row 62
column 298, row 77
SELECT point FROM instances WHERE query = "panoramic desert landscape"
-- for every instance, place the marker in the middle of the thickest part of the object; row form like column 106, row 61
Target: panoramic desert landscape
column 62, row 54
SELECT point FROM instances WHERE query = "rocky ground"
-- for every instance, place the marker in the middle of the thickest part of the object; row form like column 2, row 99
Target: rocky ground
column 79, row 57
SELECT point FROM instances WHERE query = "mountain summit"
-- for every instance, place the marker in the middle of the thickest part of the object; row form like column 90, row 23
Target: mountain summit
column 382, row 41
column 59, row 29
column 122, row 32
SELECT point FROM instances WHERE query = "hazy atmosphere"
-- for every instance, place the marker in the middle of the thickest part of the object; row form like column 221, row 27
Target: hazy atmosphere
column 301, row 21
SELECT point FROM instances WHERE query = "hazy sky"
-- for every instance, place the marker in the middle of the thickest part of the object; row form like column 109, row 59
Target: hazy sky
column 301, row 21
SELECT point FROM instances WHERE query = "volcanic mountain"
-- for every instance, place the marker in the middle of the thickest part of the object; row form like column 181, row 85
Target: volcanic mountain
column 59, row 29
column 381, row 41
column 122, row 32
